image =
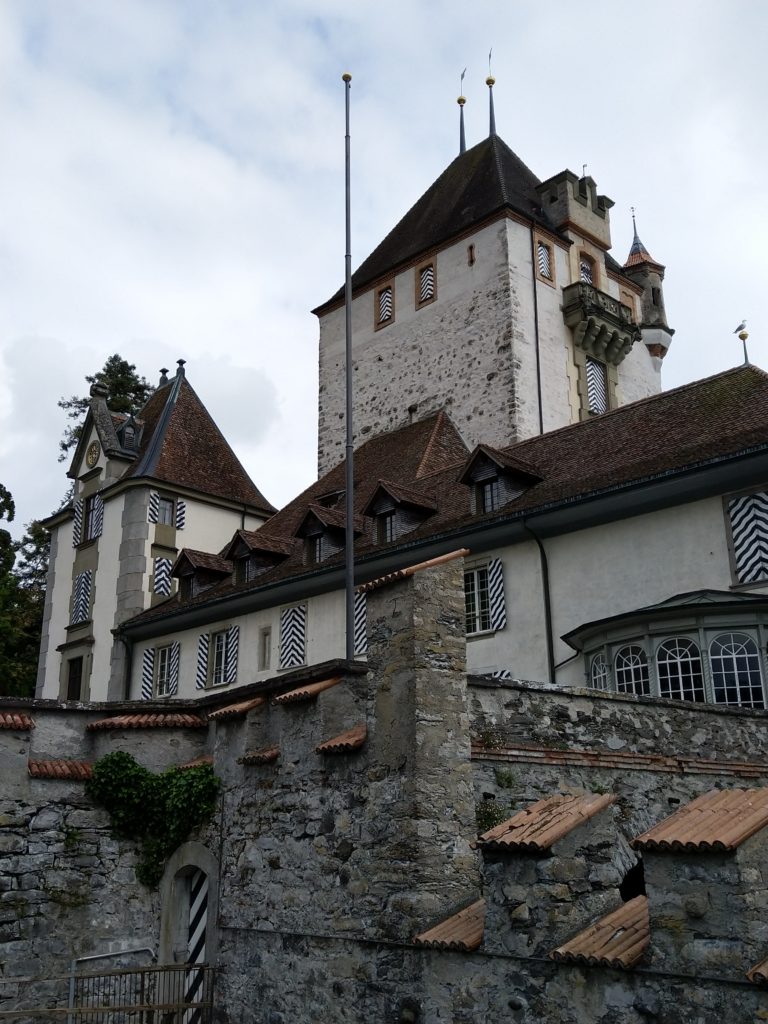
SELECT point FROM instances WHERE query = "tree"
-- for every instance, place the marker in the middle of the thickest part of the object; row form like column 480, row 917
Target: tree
column 127, row 392
column 21, row 606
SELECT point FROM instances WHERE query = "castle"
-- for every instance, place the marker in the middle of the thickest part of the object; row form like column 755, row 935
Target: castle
column 560, row 627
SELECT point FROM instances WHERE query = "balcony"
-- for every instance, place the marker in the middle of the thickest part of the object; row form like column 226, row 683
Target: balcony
column 602, row 326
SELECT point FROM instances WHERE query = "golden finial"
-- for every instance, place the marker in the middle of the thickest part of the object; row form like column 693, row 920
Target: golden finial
column 490, row 80
column 346, row 77
column 461, row 101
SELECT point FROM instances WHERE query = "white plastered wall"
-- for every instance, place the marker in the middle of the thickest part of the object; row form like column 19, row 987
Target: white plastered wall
column 60, row 604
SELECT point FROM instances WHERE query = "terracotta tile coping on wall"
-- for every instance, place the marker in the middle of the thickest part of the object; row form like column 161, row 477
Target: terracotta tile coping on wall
column 462, row 931
column 65, row 770
column 241, row 708
column 306, row 692
column 617, row 940
column 717, row 820
column 347, row 741
column 537, row 827
column 759, row 973
column 627, row 762
column 205, row 759
column 263, row 756
column 16, row 720
column 401, row 574
column 159, row 720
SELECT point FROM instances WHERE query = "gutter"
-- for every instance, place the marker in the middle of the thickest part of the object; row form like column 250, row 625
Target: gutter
column 547, row 602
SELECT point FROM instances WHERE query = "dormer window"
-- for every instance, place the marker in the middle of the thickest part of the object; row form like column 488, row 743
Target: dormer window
column 396, row 510
column 489, row 495
column 314, row 549
column 129, row 437
column 496, row 479
column 384, row 305
column 386, row 527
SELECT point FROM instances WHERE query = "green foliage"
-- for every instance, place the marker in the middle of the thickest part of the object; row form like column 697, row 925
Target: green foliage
column 127, row 392
column 505, row 779
column 159, row 811
column 489, row 814
column 21, row 614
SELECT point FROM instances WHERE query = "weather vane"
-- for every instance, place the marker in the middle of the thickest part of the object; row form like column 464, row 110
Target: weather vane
column 741, row 330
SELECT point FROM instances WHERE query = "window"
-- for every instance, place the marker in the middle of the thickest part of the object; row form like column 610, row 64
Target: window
column 736, row 676
column 425, row 284
column 477, row 601
column 162, row 671
column 597, row 386
column 471, row 258
column 293, row 636
column 544, row 261
column 489, row 495
column 631, row 668
column 748, row 516
column 219, row 650
column 386, row 527
column 680, row 672
column 656, row 296
column 74, row 678
column 599, row 676
column 587, row 269
column 265, row 648
column 91, row 522
column 314, row 549
column 385, row 305
column 165, row 511
column 81, row 598
column 161, row 576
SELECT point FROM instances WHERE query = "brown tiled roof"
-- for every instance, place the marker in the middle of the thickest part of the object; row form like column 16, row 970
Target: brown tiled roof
column 203, row 560
column 759, row 973
column 401, row 574
column 264, row 756
column 346, row 742
column 306, row 692
column 718, row 820
column 486, row 179
column 617, row 940
column 198, row 762
column 333, row 517
column 537, row 827
column 462, row 931
column 502, row 459
column 402, row 495
column 59, row 769
column 638, row 255
column 16, row 720
column 182, row 446
column 159, row 720
column 529, row 754
column 254, row 540
column 234, row 710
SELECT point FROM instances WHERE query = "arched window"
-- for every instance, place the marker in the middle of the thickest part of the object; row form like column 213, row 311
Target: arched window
column 598, row 674
column 679, row 667
column 631, row 667
column 736, row 675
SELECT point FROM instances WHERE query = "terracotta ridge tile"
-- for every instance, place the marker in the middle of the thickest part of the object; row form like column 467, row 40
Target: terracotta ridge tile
column 60, row 768
column 400, row 574
column 462, row 931
column 18, row 720
column 197, row 762
column 618, row 939
column 539, row 826
column 306, row 692
column 263, row 756
column 240, row 708
column 345, row 742
column 720, row 820
column 149, row 720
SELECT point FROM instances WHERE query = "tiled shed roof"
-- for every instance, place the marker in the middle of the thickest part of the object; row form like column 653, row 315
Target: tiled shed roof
column 234, row 710
column 17, row 720
column 77, row 771
column 158, row 720
column 718, row 820
column 263, row 756
column 617, row 940
column 537, row 827
column 462, row 931
column 306, row 692
column 346, row 742
column 759, row 973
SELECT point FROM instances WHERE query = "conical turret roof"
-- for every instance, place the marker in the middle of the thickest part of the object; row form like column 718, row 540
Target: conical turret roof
column 638, row 253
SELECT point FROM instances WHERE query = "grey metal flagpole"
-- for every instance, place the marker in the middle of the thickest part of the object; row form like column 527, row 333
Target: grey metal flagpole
column 349, row 541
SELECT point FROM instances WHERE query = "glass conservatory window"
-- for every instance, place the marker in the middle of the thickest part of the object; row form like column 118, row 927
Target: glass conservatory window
column 736, row 676
column 631, row 667
column 680, row 672
column 598, row 673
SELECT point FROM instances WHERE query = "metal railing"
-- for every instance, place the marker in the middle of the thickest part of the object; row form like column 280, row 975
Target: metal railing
column 166, row 994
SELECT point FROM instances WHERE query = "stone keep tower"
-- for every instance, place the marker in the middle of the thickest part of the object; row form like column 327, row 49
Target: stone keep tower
column 494, row 298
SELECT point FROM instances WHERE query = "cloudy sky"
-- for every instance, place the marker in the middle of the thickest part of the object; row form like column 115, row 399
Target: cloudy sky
column 171, row 183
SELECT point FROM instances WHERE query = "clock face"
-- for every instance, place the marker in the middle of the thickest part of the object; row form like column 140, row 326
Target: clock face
column 92, row 455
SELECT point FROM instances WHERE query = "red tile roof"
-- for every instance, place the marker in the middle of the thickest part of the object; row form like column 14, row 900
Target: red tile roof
column 158, row 720
column 234, row 710
column 59, row 769
column 537, row 827
column 306, row 692
column 462, row 931
column 17, row 720
column 759, row 973
column 401, row 574
column 263, row 756
column 197, row 762
column 617, row 940
column 718, row 820
column 347, row 741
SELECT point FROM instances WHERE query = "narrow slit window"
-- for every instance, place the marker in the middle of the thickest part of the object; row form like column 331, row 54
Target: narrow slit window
column 426, row 284
column 597, row 386
column 385, row 306
column 544, row 260
column 471, row 258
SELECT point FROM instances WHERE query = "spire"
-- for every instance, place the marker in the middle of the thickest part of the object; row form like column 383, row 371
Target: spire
column 461, row 101
column 490, row 82
column 638, row 253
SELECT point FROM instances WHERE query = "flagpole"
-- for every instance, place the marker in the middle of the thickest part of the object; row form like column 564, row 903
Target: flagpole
column 349, row 540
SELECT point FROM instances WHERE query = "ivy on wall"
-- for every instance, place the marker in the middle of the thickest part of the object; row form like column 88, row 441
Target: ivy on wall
column 157, row 811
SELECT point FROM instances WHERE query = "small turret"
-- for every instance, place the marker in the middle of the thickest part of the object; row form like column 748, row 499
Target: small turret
column 644, row 270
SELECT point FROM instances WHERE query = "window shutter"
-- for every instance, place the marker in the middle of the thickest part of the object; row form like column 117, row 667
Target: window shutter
column 545, row 261
column 173, row 679
column 361, row 624
column 77, row 525
column 147, row 673
column 161, row 583
column 98, row 515
column 496, row 594
column 181, row 514
column 385, row 305
column 597, row 389
column 293, row 636
column 201, row 674
column 81, row 598
column 749, row 532
column 230, row 664
column 154, row 505
column 426, row 283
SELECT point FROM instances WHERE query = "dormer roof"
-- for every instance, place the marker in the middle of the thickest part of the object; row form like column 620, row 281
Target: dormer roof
column 252, row 542
column 332, row 518
column 504, row 462
column 191, row 560
column 401, row 496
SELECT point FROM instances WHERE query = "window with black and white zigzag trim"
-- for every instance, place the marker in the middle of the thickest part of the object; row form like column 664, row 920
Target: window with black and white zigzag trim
column 384, row 305
column 161, row 579
column 749, row 533
column 293, row 636
column 81, row 597
column 426, row 284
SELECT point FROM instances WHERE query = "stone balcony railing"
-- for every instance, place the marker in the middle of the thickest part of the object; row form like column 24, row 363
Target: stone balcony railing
column 602, row 326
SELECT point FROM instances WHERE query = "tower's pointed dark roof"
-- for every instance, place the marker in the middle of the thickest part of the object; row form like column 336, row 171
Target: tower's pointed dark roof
column 639, row 254
column 182, row 446
column 482, row 181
